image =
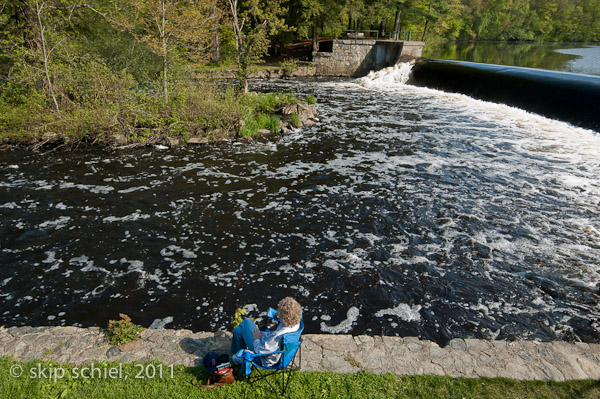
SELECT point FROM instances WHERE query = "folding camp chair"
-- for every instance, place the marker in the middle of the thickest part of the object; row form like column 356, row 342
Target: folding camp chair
column 291, row 345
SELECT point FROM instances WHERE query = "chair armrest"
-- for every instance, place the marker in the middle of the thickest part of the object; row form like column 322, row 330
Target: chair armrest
column 248, row 356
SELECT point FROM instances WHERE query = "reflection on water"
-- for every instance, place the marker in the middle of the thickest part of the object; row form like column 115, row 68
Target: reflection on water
column 406, row 211
column 587, row 61
column 552, row 56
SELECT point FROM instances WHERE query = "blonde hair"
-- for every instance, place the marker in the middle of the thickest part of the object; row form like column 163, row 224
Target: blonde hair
column 290, row 311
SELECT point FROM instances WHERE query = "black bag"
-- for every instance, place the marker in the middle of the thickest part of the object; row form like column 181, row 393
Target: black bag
column 211, row 361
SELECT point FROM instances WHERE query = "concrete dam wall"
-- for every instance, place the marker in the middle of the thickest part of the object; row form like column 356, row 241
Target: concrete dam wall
column 565, row 96
column 349, row 57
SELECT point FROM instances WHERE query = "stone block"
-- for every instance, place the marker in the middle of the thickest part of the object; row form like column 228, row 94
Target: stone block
column 458, row 344
column 477, row 344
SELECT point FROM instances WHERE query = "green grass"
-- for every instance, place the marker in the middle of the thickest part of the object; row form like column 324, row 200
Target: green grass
column 303, row 385
column 295, row 120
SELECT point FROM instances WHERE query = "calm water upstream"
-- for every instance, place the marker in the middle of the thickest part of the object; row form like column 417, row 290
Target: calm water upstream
column 567, row 57
column 406, row 211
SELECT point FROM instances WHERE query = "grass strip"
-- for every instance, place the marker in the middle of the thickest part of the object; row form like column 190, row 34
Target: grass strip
column 45, row 379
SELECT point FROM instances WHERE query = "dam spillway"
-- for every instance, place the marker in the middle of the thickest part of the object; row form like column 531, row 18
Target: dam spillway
column 574, row 98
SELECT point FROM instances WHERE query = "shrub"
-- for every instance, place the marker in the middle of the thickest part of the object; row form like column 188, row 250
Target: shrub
column 249, row 128
column 264, row 121
column 268, row 103
column 310, row 100
column 289, row 65
column 275, row 125
column 122, row 331
column 295, row 119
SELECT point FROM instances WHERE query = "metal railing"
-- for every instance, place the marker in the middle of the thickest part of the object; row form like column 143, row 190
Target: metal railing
column 407, row 35
column 370, row 33
column 359, row 34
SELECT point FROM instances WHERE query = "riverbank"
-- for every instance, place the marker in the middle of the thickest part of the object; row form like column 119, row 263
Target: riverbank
column 471, row 358
column 199, row 113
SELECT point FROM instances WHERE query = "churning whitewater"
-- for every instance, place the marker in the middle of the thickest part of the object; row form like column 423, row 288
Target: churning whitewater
column 405, row 211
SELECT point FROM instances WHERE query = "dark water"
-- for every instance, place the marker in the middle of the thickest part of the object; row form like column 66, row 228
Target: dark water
column 406, row 211
column 567, row 57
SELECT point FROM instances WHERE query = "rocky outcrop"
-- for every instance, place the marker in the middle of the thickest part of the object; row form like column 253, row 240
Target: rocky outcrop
column 307, row 113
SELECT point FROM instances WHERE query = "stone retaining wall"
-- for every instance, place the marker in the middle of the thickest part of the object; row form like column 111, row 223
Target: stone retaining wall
column 320, row 352
column 359, row 57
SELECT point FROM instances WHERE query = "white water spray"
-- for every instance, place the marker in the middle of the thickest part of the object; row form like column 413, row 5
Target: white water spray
column 394, row 75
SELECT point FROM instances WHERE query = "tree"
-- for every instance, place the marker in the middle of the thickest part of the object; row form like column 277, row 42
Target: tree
column 172, row 28
column 315, row 15
column 355, row 10
column 433, row 13
column 253, row 22
column 313, row 10
column 34, row 32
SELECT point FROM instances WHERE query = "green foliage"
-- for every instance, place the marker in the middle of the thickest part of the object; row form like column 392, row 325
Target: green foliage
column 268, row 103
column 311, row 100
column 275, row 124
column 249, row 127
column 238, row 317
column 122, row 331
column 295, row 120
column 263, row 120
column 289, row 65
column 252, row 39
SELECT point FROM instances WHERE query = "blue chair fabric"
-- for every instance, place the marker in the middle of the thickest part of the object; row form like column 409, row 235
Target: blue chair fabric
column 291, row 346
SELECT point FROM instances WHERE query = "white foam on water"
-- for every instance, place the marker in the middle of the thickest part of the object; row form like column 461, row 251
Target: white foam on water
column 133, row 189
column 51, row 257
column 397, row 74
column 128, row 218
column 344, row 326
column 159, row 324
column 403, row 311
column 85, row 187
column 57, row 224
column 10, row 205
column 172, row 249
column 95, row 292
column 87, row 265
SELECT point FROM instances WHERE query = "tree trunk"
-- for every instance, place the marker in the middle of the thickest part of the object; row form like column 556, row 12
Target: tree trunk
column 242, row 77
column 424, row 30
column 164, row 46
column 315, row 36
column 382, row 28
column 397, row 24
column 45, row 56
column 216, row 48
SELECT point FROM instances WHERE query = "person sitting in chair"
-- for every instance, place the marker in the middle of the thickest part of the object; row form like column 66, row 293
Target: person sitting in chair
column 248, row 336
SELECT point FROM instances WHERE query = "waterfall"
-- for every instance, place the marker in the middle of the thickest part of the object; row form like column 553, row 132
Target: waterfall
column 394, row 75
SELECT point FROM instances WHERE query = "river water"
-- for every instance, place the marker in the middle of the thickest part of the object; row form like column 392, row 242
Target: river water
column 567, row 57
column 405, row 211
